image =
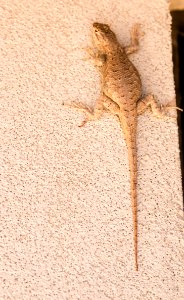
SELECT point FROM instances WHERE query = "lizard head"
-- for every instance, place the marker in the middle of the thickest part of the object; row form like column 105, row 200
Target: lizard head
column 104, row 38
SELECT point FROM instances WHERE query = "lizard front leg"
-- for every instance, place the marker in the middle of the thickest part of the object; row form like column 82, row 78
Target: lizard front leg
column 134, row 44
column 97, row 57
column 157, row 109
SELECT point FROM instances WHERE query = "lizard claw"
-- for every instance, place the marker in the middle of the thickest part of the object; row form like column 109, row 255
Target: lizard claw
column 169, row 107
column 174, row 107
column 90, row 52
column 83, row 123
column 78, row 105
column 82, row 107
column 136, row 30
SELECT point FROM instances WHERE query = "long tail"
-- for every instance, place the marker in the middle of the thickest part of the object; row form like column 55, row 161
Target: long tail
column 132, row 157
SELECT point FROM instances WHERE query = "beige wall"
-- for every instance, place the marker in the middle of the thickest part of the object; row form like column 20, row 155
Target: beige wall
column 66, row 221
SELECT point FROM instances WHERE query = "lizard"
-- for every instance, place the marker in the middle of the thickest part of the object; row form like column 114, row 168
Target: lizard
column 121, row 95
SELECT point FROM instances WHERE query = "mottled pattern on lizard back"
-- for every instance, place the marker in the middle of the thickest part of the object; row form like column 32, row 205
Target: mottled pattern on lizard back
column 121, row 80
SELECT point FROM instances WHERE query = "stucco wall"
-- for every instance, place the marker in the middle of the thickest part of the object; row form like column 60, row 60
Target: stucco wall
column 66, row 221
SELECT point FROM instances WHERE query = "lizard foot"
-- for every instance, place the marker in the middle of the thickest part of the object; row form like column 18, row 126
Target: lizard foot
column 166, row 108
column 136, row 31
column 136, row 34
column 84, row 108
column 96, row 57
column 80, row 106
column 169, row 106
column 90, row 53
column 159, row 110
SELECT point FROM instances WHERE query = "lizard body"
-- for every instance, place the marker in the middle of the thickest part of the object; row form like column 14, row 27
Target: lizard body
column 121, row 83
column 121, row 92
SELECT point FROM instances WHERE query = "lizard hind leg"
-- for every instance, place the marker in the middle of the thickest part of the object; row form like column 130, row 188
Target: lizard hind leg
column 158, row 110
column 104, row 103
column 90, row 114
column 111, row 106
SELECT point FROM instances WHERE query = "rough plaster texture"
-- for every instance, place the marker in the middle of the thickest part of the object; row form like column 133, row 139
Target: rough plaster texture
column 66, row 222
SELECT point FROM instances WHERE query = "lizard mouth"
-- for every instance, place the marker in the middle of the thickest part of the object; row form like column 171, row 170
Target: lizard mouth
column 96, row 33
column 97, row 28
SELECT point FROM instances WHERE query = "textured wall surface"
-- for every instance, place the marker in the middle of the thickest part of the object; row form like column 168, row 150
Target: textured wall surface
column 66, row 222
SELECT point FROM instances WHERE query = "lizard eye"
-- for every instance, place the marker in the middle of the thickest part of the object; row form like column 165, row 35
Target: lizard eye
column 106, row 28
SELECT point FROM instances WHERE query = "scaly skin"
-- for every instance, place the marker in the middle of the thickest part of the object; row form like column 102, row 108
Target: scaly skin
column 121, row 83
column 121, row 95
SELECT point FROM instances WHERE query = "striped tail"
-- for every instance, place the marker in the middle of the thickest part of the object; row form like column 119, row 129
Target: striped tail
column 132, row 157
